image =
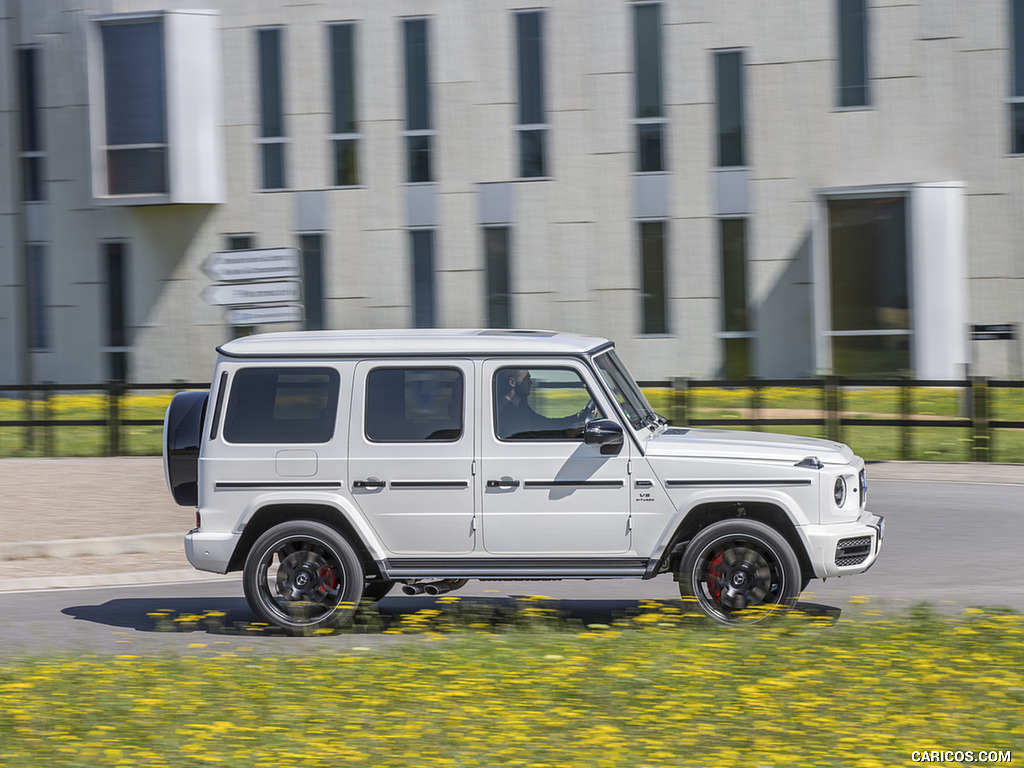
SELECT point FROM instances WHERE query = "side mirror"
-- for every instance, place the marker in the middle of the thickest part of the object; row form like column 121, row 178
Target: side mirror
column 606, row 433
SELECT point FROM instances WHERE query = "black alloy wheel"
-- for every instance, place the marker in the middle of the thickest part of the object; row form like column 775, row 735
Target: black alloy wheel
column 303, row 576
column 740, row 572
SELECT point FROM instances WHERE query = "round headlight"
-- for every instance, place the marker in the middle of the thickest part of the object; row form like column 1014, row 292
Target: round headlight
column 839, row 491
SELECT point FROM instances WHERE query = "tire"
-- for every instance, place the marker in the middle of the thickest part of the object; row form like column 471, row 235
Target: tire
column 303, row 576
column 740, row 572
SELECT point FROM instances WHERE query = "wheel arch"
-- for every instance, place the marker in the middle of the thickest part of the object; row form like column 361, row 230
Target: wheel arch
column 709, row 513
column 268, row 516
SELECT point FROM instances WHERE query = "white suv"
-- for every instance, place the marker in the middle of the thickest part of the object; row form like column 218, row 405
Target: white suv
column 329, row 465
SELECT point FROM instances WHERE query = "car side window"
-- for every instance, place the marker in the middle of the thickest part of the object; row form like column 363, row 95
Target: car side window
column 282, row 405
column 414, row 404
column 542, row 404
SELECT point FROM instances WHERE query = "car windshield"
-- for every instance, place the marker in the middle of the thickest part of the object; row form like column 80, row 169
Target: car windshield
column 622, row 385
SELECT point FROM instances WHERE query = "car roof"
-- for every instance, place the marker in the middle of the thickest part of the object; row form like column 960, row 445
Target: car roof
column 420, row 342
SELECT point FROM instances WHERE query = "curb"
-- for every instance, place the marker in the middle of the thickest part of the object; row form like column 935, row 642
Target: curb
column 96, row 545
column 136, row 578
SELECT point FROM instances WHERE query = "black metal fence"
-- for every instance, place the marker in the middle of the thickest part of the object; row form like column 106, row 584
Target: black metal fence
column 976, row 408
column 825, row 397
column 41, row 424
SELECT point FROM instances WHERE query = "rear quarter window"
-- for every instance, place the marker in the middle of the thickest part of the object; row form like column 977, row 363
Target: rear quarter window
column 282, row 405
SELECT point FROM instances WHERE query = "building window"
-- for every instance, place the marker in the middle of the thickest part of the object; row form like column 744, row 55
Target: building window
column 39, row 329
column 649, row 117
column 654, row 298
column 344, row 126
column 1017, row 77
column 31, row 139
column 499, row 299
column 532, row 127
column 272, row 138
column 115, row 269
column 869, row 275
column 853, row 53
column 729, row 108
column 134, row 106
column 418, row 132
column 423, row 289
column 241, row 242
column 311, row 247
column 736, row 334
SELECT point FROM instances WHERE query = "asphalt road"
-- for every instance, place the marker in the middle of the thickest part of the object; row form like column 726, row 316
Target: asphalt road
column 952, row 544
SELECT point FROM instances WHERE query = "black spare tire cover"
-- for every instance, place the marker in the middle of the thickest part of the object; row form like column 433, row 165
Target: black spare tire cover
column 183, row 433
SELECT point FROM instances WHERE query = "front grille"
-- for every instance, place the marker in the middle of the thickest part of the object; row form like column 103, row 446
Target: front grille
column 853, row 551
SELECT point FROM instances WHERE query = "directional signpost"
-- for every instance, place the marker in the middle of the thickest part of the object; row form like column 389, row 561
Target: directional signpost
column 261, row 315
column 250, row 294
column 260, row 264
column 251, row 283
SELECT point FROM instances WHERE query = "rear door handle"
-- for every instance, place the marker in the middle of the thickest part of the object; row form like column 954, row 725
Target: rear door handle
column 502, row 483
column 370, row 484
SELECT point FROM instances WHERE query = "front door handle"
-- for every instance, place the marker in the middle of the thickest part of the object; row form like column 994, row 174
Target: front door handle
column 503, row 483
column 370, row 484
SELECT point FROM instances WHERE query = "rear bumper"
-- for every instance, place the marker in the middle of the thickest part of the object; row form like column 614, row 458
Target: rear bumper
column 210, row 551
column 840, row 550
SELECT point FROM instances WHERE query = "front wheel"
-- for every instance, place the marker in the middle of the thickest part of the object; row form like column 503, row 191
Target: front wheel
column 303, row 576
column 740, row 572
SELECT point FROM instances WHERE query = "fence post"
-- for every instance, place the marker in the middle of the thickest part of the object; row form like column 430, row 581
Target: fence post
column 979, row 419
column 833, row 409
column 755, row 404
column 114, row 391
column 28, row 414
column 906, row 408
column 680, row 395
column 49, row 438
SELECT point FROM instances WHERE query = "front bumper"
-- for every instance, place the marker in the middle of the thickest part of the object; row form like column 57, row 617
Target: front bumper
column 210, row 551
column 840, row 550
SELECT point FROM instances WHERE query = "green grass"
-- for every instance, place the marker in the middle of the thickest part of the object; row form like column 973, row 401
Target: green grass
column 651, row 689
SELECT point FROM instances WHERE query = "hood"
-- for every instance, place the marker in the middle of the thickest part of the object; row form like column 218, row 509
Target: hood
column 754, row 446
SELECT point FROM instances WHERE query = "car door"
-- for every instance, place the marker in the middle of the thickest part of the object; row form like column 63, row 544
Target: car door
column 546, row 492
column 411, row 452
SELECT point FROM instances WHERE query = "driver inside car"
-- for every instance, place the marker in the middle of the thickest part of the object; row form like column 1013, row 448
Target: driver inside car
column 517, row 418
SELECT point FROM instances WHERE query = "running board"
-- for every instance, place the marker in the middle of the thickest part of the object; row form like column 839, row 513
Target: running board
column 505, row 568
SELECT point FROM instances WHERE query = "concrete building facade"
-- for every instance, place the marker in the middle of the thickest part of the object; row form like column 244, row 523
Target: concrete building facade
column 727, row 189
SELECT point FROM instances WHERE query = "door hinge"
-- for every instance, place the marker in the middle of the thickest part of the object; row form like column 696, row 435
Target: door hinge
column 472, row 468
column 629, row 467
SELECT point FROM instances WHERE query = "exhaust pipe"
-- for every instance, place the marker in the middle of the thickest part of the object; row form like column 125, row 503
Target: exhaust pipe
column 434, row 587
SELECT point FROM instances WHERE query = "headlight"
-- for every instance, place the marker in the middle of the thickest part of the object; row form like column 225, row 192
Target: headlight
column 839, row 491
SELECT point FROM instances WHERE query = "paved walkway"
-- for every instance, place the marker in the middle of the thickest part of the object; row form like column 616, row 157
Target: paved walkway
column 89, row 522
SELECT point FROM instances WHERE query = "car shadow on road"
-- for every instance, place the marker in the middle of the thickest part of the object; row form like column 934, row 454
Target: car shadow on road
column 412, row 615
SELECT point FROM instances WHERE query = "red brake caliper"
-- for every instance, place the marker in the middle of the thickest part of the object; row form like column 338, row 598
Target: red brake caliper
column 328, row 579
column 714, row 577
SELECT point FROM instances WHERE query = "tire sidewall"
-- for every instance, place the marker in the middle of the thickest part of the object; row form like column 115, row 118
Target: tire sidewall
column 350, row 573
column 767, row 539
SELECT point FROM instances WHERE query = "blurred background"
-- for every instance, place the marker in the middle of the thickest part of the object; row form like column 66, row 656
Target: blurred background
column 727, row 189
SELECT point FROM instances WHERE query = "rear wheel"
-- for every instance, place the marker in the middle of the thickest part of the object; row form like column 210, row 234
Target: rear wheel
column 740, row 572
column 303, row 576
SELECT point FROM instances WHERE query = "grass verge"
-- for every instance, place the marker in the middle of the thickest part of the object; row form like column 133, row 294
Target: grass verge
column 646, row 690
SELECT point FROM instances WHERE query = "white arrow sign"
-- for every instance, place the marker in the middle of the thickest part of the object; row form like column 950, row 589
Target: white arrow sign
column 263, row 315
column 258, row 264
column 245, row 294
